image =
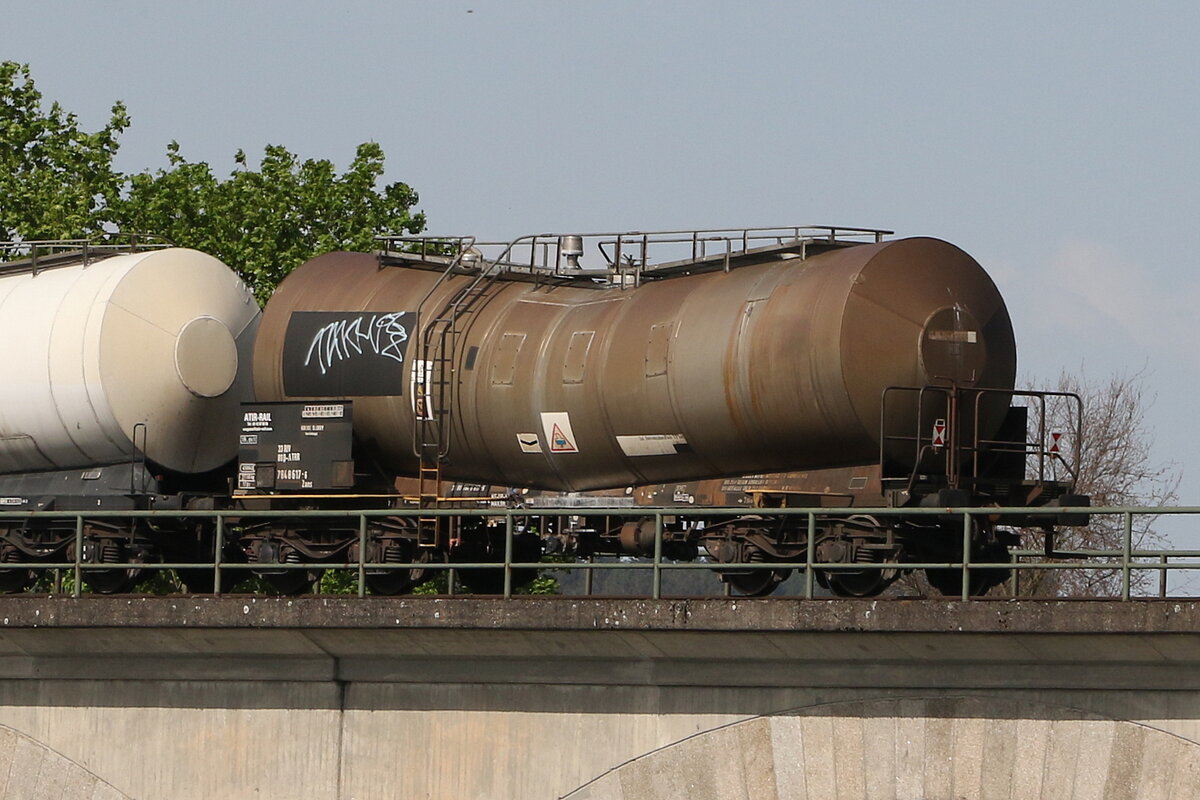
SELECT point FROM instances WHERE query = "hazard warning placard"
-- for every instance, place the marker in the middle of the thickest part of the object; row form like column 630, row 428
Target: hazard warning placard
column 939, row 433
column 559, row 436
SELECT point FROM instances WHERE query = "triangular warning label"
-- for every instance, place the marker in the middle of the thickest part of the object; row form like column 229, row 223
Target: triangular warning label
column 560, row 442
column 556, row 425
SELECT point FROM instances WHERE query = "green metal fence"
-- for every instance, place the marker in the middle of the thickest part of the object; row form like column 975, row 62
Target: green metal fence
column 1127, row 560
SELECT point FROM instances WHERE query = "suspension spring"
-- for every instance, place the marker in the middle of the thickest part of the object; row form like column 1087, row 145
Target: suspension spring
column 110, row 551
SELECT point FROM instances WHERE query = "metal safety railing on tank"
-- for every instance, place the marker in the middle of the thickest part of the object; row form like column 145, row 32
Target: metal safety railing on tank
column 1051, row 444
column 35, row 255
column 627, row 257
column 1123, row 562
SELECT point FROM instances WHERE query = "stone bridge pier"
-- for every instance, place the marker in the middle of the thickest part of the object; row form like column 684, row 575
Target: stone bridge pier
column 597, row 699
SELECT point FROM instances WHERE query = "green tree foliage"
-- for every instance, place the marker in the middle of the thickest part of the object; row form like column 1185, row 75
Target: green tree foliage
column 264, row 222
column 56, row 180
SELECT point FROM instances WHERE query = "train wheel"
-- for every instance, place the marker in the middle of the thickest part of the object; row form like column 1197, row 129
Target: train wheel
column 949, row 581
column 15, row 580
column 757, row 582
column 482, row 581
column 270, row 555
column 854, row 545
column 398, row 553
column 527, row 548
column 112, row 581
column 400, row 581
column 120, row 580
column 391, row 582
column 200, row 580
column 857, row 584
column 294, row 581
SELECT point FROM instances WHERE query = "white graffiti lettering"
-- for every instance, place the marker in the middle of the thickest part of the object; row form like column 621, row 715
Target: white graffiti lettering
column 343, row 339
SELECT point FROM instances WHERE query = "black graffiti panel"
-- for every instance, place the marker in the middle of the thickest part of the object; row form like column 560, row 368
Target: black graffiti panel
column 346, row 353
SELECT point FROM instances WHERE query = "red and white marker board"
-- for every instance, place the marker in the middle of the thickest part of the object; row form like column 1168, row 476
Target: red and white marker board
column 939, row 433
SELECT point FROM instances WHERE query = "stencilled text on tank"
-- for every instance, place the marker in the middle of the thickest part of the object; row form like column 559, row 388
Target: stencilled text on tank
column 343, row 339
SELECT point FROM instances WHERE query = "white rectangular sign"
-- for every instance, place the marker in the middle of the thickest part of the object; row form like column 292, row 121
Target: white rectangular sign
column 651, row 444
column 529, row 443
column 324, row 411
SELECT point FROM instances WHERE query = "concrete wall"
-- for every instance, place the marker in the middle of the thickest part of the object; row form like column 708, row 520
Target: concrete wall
column 232, row 739
column 916, row 747
column 283, row 700
column 32, row 771
column 902, row 749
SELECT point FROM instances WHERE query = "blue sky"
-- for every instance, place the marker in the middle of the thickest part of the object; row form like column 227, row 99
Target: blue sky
column 1055, row 142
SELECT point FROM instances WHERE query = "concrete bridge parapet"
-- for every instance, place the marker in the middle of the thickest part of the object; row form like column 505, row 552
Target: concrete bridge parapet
column 337, row 698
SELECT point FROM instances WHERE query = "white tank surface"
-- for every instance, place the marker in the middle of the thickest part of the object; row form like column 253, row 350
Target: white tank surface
column 150, row 348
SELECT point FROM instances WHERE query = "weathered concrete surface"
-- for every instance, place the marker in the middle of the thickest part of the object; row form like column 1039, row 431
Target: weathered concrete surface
column 914, row 748
column 580, row 614
column 534, row 698
column 735, row 642
column 30, row 770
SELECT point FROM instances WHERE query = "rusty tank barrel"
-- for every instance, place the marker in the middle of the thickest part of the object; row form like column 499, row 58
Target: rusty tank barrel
column 778, row 363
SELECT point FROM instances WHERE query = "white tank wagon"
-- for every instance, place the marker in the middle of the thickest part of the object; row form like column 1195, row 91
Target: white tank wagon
column 107, row 359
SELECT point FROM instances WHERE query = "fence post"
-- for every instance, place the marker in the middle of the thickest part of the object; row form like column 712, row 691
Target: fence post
column 966, row 556
column 1162, row 577
column 1126, row 553
column 362, row 555
column 658, row 548
column 508, row 554
column 218, row 548
column 810, row 554
column 77, row 589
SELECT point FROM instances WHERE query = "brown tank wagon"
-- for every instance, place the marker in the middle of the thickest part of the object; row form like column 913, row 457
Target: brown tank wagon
column 878, row 373
column 570, row 384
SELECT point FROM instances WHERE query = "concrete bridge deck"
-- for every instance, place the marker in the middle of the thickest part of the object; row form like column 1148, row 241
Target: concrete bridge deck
column 698, row 642
column 597, row 698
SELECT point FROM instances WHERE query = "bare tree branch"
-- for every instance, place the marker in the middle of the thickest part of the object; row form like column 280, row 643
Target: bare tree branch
column 1116, row 468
